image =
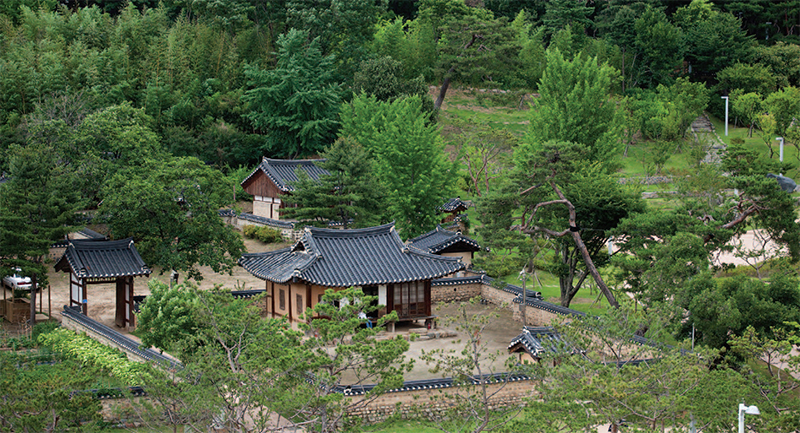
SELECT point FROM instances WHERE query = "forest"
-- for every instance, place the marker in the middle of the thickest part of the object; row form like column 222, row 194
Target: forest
column 154, row 111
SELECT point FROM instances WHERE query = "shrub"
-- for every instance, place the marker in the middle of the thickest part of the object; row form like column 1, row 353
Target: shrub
column 43, row 328
column 737, row 140
column 264, row 234
column 88, row 351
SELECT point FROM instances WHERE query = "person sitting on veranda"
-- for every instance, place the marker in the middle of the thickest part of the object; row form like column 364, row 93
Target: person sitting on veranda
column 363, row 316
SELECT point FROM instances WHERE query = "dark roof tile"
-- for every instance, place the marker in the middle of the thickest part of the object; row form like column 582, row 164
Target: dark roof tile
column 102, row 259
column 341, row 258
column 454, row 204
column 282, row 171
column 440, row 239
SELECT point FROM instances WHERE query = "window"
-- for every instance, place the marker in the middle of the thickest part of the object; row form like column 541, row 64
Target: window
column 299, row 302
column 282, row 299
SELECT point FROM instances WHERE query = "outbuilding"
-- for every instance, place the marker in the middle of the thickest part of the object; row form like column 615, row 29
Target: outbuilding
column 272, row 180
column 103, row 262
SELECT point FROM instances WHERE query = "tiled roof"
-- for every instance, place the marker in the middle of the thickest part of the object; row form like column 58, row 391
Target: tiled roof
column 87, row 233
column 266, row 221
column 440, row 239
column 537, row 341
column 102, row 259
column 341, row 258
column 453, row 204
column 282, row 171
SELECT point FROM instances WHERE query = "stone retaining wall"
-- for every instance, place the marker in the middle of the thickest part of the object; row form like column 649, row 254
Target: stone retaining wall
column 425, row 403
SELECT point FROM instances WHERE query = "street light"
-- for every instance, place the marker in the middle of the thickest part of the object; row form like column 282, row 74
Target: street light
column 523, row 306
column 781, row 140
column 750, row 410
column 726, row 115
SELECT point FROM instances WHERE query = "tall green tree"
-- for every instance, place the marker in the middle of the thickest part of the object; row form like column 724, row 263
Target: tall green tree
column 714, row 39
column 575, row 105
column 170, row 208
column 473, row 49
column 351, row 194
column 296, row 103
column 596, row 375
column 39, row 204
column 660, row 46
column 562, row 13
column 410, row 158
column 384, row 77
column 344, row 28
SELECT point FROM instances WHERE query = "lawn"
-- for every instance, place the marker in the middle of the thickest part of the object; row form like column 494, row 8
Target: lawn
column 757, row 143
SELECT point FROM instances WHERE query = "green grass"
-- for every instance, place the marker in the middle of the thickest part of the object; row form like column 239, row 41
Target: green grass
column 396, row 426
column 588, row 299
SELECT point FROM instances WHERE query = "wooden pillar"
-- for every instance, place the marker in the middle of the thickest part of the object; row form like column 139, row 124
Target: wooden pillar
column 272, row 296
column 85, row 299
column 427, row 297
column 131, row 315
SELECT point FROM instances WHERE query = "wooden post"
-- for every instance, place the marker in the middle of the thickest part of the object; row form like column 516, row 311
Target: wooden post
column 33, row 301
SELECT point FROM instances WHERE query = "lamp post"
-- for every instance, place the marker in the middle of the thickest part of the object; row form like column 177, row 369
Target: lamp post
column 750, row 410
column 726, row 115
column 781, row 153
column 524, row 304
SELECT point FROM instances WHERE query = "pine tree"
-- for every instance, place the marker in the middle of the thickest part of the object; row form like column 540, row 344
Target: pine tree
column 350, row 194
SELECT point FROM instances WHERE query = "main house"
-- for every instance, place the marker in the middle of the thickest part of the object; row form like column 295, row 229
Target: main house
column 273, row 179
column 374, row 259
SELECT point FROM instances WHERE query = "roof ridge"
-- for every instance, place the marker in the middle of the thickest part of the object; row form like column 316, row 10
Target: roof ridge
column 291, row 161
column 97, row 244
column 323, row 232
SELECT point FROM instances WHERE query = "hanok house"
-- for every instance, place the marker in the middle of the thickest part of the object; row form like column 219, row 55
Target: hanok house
column 103, row 262
column 453, row 208
column 374, row 259
column 446, row 243
column 272, row 180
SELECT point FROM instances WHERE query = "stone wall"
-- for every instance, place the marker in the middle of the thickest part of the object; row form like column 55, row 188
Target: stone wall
column 456, row 292
column 289, row 234
column 496, row 296
column 413, row 404
column 535, row 316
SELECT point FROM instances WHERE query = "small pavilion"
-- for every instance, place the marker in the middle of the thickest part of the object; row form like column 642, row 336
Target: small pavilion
column 446, row 243
column 453, row 208
column 103, row 262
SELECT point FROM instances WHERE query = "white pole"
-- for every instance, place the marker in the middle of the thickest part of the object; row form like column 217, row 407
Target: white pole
column 781, row 140
column 741, row 417
column 726, row 115
column 750, row 410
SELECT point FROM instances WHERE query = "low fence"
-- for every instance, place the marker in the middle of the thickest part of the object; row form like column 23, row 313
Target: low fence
column 427, row 398
column 73, row 319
